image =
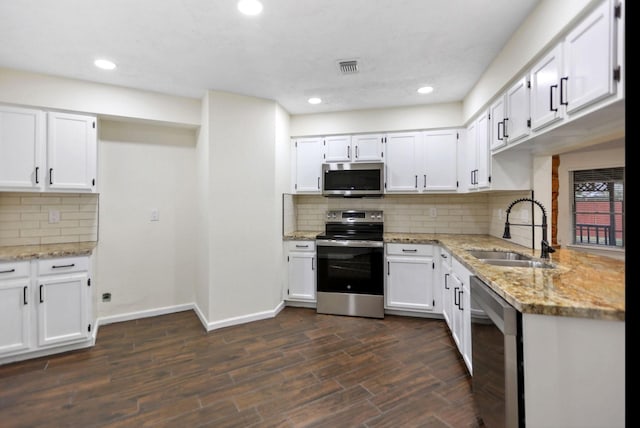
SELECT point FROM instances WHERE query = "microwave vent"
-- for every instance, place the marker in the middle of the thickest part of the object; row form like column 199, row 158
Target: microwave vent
column 348, row 67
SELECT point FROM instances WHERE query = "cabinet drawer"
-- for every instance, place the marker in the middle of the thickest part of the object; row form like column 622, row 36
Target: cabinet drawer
column 17, row 269
column 445, row 257
column 63, row 265
column 302, row 246
column 410, row 249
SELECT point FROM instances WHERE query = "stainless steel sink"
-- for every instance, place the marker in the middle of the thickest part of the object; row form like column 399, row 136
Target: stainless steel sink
column 518, row 263
column 509, row 259
column 498, row 255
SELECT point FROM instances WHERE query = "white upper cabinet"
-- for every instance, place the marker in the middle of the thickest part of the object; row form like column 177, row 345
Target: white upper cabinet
column 22, row 141
column 338, row 148
column 69, row 141
column 477, row 154
column 589, row 59
column 509, row 115
column 439, row 152
column 517, row 106
column 354, row 148
column 401, row 174
column 367, row 148
column 497, row 121
column 308, row 155
column 71, row 152
column 545, row 90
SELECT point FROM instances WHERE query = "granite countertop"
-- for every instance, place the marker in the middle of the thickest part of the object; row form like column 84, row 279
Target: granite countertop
column 28, row 252
column 581, row 284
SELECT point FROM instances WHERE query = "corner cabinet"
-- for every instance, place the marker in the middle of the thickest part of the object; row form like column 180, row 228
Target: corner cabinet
column 477, row 154
column 45, row 307
column 409, row 278
column 47, row 151
column 301, row 261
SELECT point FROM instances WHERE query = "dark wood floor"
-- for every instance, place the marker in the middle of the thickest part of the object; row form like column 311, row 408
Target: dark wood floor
column 298, row 369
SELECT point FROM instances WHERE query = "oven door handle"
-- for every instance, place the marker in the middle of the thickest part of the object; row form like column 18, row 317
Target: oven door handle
column 348, row 243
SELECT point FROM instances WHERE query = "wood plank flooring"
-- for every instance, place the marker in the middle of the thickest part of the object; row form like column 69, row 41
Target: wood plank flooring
column 300, row 369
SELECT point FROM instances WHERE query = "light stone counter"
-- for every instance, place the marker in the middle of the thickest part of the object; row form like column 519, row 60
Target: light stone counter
column 301, row 235
column 581, row 285
column 28, row 252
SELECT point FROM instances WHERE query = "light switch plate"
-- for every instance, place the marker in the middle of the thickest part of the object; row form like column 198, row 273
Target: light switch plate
column 54, row 216
column 155, row 214
column 434, row 212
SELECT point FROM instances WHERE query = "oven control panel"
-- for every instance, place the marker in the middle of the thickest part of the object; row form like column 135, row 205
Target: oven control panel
column 355, row 216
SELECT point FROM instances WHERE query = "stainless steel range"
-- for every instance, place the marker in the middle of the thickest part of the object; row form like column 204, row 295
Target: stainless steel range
column 350, row 273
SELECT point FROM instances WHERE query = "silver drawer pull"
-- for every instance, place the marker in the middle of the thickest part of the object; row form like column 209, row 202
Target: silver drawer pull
column 302, row 246
column 62, row 266
column 404, row 250
column 7, row 271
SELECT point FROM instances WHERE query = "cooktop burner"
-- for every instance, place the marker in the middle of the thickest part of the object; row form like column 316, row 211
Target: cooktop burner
column 353, row 225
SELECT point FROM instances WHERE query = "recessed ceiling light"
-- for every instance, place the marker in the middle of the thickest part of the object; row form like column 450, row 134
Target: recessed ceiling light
column 104, row 64
column 425, row 90
column 250, row 7
column 314, row 100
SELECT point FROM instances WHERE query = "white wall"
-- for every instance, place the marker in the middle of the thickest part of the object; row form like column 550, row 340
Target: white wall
column 244, row 206
column 145, row 265
column 57, row 93
column 607, row 155
column 433, row 116
column 539, row 31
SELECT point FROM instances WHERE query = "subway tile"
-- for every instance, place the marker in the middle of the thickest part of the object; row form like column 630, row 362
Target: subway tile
column 62, row 239
column 5, row 242
column 33, row 233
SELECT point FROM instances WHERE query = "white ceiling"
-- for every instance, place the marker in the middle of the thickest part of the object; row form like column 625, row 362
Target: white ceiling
column 288, row 53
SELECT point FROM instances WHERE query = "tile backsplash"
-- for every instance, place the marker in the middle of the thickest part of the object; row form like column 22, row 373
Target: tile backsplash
column 24, row 218
column 467, row 213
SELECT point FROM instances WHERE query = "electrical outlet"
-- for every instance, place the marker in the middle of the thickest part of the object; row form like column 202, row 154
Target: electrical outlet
column 106, row 297
column 524, row 214
column 500, row 214
column 434, row 212
column 155, row 214
column 54, row 216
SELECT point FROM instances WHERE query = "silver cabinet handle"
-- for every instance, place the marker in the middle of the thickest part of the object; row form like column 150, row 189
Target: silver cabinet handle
column 7, row 271
column 302, row 246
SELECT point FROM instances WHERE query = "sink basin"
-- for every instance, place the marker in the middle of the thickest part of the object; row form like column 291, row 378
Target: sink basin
column 518, row 263
column 498, row 255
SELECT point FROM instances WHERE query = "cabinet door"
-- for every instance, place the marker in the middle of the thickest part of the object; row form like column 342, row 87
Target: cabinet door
column 447, row 294
column 439, row 154
column 62, row 308
column 589, row 59
column 483, row 154
column 465, row 309
column 308, row 166
column 545, row 90
column 456, row 331
column 21, row 147
column 71, row 152
column 367, row 148
column 15, row 304
column 401, row 175
column 497, row 121
column 302, row 276
column 409, row 283
column 470, row 156
column 517, row 118
column 338, row 149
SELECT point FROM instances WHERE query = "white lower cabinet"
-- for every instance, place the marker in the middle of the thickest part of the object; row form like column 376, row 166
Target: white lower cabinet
column 301, row 260
column 461, row 294
column 44, row 305
column 410, row 276
column 15, row 308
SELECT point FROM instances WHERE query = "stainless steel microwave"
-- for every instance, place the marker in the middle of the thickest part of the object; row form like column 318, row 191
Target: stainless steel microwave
column 353, row 179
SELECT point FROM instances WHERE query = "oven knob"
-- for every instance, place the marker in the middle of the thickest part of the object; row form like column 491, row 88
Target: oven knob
column 379, row 216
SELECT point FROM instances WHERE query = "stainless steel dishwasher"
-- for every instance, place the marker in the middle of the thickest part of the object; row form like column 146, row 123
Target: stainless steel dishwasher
column 496, row 348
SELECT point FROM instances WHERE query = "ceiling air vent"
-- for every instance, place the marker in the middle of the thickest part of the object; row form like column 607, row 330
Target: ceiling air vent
column 348, row 67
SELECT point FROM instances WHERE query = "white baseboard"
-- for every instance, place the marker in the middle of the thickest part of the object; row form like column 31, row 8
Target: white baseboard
column 243, row 319
column 209, row 326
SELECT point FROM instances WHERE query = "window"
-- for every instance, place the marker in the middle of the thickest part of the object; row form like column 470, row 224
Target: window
column 598, row 207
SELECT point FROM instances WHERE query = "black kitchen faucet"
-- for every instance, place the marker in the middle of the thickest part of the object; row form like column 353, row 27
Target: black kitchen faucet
column 546, row 248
